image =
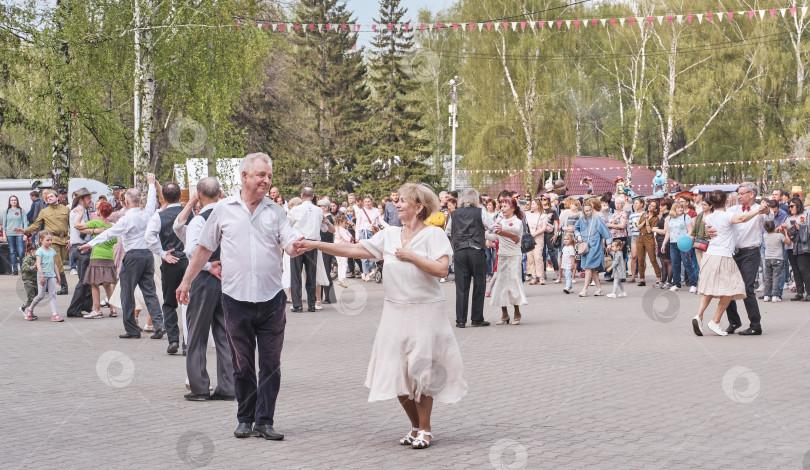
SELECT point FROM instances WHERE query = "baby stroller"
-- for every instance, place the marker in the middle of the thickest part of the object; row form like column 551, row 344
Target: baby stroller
column 378, row 272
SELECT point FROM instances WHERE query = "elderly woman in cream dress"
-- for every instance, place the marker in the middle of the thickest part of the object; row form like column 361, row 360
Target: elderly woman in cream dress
column 415, row 357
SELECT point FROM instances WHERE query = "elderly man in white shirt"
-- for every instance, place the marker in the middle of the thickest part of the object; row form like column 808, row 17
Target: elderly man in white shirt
column 250, row 230
column 748, row 238
column 138, row 267
column 307, row 220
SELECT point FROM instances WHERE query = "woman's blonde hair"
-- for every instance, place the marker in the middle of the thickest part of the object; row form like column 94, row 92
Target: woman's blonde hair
column 293, row 202
column 675, row 205
column 420, row 193
column 571, row 202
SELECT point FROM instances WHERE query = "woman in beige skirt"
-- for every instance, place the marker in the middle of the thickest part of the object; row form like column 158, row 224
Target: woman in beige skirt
column 101, row 270
column 415, row 356
column 719, row 275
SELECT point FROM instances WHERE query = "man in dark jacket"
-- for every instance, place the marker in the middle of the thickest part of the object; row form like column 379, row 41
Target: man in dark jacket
column 468, row 225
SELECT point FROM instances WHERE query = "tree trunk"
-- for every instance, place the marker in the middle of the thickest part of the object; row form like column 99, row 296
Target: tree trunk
column 523, row 117
column 60, row 158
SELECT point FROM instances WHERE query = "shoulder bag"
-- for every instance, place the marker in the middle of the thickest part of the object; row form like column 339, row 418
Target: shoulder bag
column 374, row 228
column 527, row 242
column 582, row 248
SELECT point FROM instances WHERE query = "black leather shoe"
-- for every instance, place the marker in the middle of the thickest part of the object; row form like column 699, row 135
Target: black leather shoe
column 806, row 299
column 311, row 309
column 750, row 332
column 173, row 347
column 197, row 397
column 62, row 291
column 327, row 301
column 244, row 430
column 641, row 284
column 732, row 328
column 158, row 334
column 796, row 298
column 128, row 336
column 266, row 431
column 218, row 396
column 480, row 323
column 297, row 309
column 461, row 325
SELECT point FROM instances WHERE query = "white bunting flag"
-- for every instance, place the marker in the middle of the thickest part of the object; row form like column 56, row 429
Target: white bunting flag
column 274, row 27
column 514, row 25
column 761, row 14
column 430, row 27
column 640, row 20
column 621, row 21
column 480, row 26
column 719, row 17
column 660, row 19
column 398, row 27
column 804, row 11
column 784, row 12
column 464, row 26
column 679, row 18
column 320, row 27
column 585, row 23
column 568, row 24
column 531, row 23
column 700, row 18
column 603, row 21
column 497, row 25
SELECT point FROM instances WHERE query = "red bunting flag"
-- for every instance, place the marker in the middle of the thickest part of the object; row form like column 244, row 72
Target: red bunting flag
column 297, row 26
column 281, row 27
column 709, row 16
column 649, row 20
column 327, row 27
column 730, row 15
column 576, row 24
column 522, row 25
column 559, row 24
column 669, row 19
column 772, row 12
column 613, row 22
column 689, row 19
column 455, row 27
column 407, row 27
column 390, row 27
column 631, row 20
column 489, row 27
column 438, row 26
column 374, row 27
column 472, row 25
column 238, row 25
column 793, row 11
column 505, row 26
column 751, row 14
column 593, row 22
column 312, row 27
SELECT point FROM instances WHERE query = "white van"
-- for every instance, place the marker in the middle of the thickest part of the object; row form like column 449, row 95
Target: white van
column 22, row 189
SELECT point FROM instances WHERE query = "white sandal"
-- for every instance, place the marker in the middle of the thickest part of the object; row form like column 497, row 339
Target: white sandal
column 419, row 442
column 408, row 439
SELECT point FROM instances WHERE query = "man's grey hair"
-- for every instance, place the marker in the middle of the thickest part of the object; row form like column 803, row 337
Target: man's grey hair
column 208, row 187
column 749, row 186
column 133, row 195
column 468, row 198
column 307, row 193
column 443, row 193
column 244, row 166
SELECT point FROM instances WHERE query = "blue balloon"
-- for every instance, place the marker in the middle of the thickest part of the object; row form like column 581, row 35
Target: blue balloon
column 685, row 243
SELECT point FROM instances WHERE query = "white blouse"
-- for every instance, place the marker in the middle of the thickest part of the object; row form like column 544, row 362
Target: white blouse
column 404, row 282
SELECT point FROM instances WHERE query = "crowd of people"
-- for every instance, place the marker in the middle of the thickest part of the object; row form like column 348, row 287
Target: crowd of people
column 228, row 266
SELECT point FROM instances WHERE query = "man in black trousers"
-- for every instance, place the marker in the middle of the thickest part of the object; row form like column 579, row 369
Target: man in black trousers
column 308, row 221
column 162, row 241
column 82, row 300
column 468, row 225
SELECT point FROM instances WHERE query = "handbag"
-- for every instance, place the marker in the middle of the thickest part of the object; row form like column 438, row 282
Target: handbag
column 374, row 228
column 701, row 244
column 527, row 242
column 608, row 259
column 582, row 248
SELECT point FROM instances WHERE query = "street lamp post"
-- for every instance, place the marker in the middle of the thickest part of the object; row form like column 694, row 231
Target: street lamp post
column 453, row 126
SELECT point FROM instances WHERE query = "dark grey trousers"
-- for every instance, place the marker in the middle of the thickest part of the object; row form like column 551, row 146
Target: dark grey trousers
column 205, row 313
column 138, row 269
column 82, row 300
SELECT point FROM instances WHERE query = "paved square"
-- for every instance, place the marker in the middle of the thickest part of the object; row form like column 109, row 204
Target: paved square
column 580, row 383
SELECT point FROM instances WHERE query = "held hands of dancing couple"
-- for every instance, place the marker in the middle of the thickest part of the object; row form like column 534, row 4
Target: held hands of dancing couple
column 741, row 218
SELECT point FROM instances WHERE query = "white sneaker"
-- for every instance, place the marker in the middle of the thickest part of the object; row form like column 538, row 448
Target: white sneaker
column 584, row 293
column 766, row 299
column 622, row 294
column 674, row 289
column 598, row 293
column 693, row 290
column 444, row 279
column 761, row 288
column 697, row 326
column 716, row 328
column 74, row 272
column 776, row 299
column 557, row 281
column 611, row 295
column 593, row 283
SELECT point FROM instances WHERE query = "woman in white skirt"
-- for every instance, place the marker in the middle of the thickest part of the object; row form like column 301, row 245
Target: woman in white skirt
column 719, row 275
column 286, row 277
column 507, row 286
column 415, row 357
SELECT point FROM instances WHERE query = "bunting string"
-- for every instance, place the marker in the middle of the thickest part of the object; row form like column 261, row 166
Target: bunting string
column 534, row 26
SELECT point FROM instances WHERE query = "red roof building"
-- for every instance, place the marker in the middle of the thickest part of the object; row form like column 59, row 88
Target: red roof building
column 602, row 171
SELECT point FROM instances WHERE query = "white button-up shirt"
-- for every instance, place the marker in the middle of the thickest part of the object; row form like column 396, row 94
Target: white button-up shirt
column 152, row 235
column 192, row 235
column 749, row 234
column 250, row 247
column 132, row 226
column 307, row 219
column 76, row 237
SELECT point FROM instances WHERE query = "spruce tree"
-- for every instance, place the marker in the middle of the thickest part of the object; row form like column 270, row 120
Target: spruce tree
column 331, row 81
column 396, row 149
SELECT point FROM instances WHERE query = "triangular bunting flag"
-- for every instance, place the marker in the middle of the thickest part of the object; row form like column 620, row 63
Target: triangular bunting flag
column 700, row 18
column 472, row 25
column 679, row 19
column 430, row 27
column 297, row 26
column 689, row 19
column 531, row 23
column 793, row 11
column 522, row 25
column 568, row 24
column 374, row 28
column 274, row 27
column 669, row 19
column 751, row 15
column 730, row 15
column 593, row 22
column 281, row 27
column 709, row 16
column 772, row 12
column 540, row 23
column 559, row 24
column 603, row 21
column 660, row 19
column 327, row 28
column 489, row 26
column 497, row 25
column 576, row 24
column 455, row 27
column 613, row 22
column 621, row 21
column 762, row 14
column 631, row 20
column 784, row 12
column 514, row 25
column 481, row 26
column 320, row 27
column 804, row 11
column 390, row 27
column 343, row 27
column 650, row 20
column 719, row 17
column 463, row 27
column 438, row 27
